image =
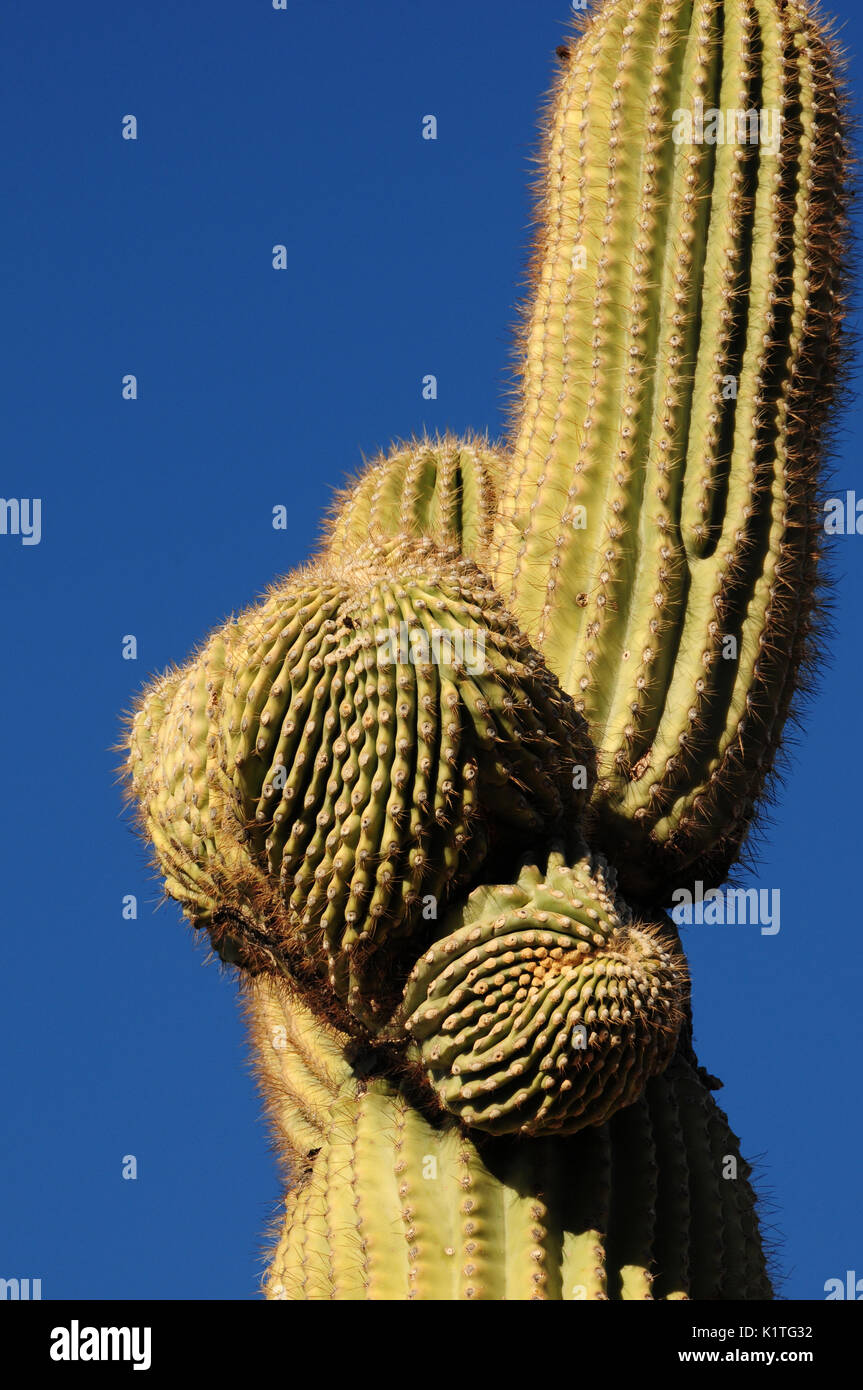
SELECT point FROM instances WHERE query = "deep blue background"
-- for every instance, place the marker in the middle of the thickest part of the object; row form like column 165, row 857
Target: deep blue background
column 259, row 388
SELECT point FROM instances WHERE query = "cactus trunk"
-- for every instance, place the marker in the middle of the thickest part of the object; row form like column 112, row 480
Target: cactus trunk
column 387, row 1203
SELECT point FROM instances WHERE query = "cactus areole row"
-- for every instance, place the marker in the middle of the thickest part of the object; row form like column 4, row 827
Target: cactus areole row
column 432, row 795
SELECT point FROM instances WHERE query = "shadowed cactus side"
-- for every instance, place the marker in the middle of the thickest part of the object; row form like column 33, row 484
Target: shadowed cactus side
column 410, row 792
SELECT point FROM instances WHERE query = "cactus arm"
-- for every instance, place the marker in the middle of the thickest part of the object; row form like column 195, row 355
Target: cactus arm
column 678, row 360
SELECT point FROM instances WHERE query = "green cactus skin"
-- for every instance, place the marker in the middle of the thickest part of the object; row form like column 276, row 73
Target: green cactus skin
column 443, row 488
column 306, row 798
column 310, row 785
column 677, row 361
column 542, row 1007
column 389, row 1204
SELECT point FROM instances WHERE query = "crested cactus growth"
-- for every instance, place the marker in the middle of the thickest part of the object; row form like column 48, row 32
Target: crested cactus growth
column 410, row 792
column 657, row 530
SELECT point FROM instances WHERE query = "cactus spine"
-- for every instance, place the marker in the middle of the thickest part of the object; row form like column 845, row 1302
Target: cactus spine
column 441, row 869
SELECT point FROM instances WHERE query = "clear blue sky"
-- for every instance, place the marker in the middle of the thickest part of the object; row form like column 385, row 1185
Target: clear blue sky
column 257, row 388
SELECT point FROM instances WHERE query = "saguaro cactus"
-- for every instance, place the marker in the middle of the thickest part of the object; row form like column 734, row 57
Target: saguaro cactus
column 431, row 795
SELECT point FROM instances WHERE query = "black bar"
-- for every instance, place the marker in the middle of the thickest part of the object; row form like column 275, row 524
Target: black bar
column 255, row 1338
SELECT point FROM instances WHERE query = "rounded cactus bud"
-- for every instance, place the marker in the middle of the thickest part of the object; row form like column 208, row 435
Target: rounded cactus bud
column 441, row 488
column 345, row 752
column 545, row 1007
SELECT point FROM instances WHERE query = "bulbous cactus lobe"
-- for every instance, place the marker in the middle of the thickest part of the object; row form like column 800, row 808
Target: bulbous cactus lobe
column 657, row 534
column 346, row 751
column 442, row 489
column 542, row 1007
